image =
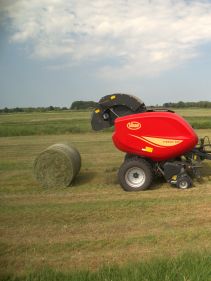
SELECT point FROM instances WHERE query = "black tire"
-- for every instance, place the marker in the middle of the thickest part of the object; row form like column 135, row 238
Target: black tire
column 184, row 182
column 135, row 174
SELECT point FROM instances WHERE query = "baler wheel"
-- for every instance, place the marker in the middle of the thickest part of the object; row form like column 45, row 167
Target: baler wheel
column 184, row 182
column 135, row 174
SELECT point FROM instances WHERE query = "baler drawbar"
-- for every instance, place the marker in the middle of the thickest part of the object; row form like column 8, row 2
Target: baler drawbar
column 157, row 142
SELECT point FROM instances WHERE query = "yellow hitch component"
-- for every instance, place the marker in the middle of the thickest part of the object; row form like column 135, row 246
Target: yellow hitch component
column 112, row 97
column 97, row 110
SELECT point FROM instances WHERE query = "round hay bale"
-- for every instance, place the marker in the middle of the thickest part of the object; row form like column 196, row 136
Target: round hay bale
column 57, row 165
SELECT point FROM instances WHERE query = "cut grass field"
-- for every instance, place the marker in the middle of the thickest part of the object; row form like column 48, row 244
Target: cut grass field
column 94, row 223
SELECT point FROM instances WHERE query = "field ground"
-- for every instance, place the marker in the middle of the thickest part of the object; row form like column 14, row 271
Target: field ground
column 93, row 223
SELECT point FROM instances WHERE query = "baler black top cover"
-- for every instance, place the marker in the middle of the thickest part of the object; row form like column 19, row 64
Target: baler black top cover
column 112, row 106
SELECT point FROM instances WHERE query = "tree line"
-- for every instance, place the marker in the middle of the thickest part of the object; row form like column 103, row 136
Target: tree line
column 31, row 109
column 181, row 104
column 76, row 105
column 86, row 105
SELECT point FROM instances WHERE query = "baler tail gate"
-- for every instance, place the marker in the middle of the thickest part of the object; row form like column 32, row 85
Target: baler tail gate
column 113, row 106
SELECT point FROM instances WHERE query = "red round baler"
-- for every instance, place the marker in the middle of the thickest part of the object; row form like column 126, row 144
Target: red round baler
column 156, row 142
column 156, row 135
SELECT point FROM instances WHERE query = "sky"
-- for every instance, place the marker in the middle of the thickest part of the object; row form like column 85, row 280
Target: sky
column 53, row 52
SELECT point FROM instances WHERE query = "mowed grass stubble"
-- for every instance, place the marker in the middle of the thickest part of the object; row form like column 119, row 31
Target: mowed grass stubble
column 93, row 222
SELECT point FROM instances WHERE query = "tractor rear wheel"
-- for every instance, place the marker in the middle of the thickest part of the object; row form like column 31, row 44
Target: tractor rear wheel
column 135, row 174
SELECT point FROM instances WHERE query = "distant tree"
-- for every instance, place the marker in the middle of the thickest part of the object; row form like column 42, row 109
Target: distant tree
column 181, row 104
column 50, row 108
column 18, row 109
column 6, row 110
column 83, row 105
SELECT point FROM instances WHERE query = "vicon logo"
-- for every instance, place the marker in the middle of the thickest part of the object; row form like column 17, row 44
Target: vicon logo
column 134, row 125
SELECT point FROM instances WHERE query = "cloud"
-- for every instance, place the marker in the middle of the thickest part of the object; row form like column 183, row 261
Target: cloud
column 124, row 38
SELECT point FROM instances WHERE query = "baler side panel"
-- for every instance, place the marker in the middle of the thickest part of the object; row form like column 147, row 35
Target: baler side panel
column 156, row 135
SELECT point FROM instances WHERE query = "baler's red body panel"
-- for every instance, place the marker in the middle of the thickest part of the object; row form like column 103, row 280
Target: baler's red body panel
column 156, row 135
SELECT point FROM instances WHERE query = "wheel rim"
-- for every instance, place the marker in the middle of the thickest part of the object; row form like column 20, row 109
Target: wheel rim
column 183, row 184
column 135, row 177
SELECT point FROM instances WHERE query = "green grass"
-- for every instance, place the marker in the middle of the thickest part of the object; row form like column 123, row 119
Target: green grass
column 84, row 230
column 26, row 124
column 44, row 128
column 193, row 112
column 199, row 118
column 190, row 266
